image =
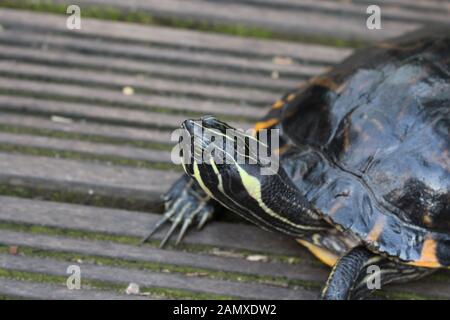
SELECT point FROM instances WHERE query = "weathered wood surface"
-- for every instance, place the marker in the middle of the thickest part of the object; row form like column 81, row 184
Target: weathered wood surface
column 101, row 149
column 179, row 38
column 39, row 291
column 135, row 224
column 126, row 252
column 153, row 279
column 69, row 133
column 137, row 101
column 90, row 177
column 337, row 19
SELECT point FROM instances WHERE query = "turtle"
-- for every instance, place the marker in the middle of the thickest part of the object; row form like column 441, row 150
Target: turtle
column 363, row 179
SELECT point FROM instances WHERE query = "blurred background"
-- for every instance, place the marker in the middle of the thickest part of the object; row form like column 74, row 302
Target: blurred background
column 90, row 92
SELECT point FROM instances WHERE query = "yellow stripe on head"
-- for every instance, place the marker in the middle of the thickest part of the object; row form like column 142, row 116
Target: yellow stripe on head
column 219, row 177
column 199, row 179
column 183, row 165
column 253, row 187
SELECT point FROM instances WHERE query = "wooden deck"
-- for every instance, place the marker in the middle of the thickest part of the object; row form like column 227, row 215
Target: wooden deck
column 84, row 159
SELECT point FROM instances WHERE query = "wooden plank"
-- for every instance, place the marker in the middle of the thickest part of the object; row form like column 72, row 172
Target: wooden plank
column 199, row 74
column 92, row 113
column 137, row 101
column 136, row 224
column 304, row 272
column 99, row 113
column 81, row 128
column 145, row 52
column 158, row 280
column 293, row 22
column 123, row 134
column 41, row 291
column 138, row 83
column 100, row 149
column 86, row 177
column 390, row 11
column 171, row 36
column 436, row 6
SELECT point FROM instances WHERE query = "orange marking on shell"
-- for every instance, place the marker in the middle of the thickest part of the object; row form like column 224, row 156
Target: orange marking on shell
column 282, row 149
column 291, row 97
column 266, row 124
column 325, row 81
column 277, row 105
column 428, row 257
column 427, row 219
column 376, row 231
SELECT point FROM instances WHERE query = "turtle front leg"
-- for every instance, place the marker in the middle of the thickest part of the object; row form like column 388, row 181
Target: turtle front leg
column 360, row 272
column 185, row 204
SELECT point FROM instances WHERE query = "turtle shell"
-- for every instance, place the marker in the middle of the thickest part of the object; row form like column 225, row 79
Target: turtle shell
column 374, row 138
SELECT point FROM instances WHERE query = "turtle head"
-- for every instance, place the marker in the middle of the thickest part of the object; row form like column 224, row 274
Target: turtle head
column 215, row 150
column 226, row 165
column 203, row 144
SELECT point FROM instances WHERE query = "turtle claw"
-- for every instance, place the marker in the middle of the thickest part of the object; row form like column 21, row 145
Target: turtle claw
column 204, row 219
column 174, row 225
column 183, row 230
column 155, row 228
column 184, row 206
